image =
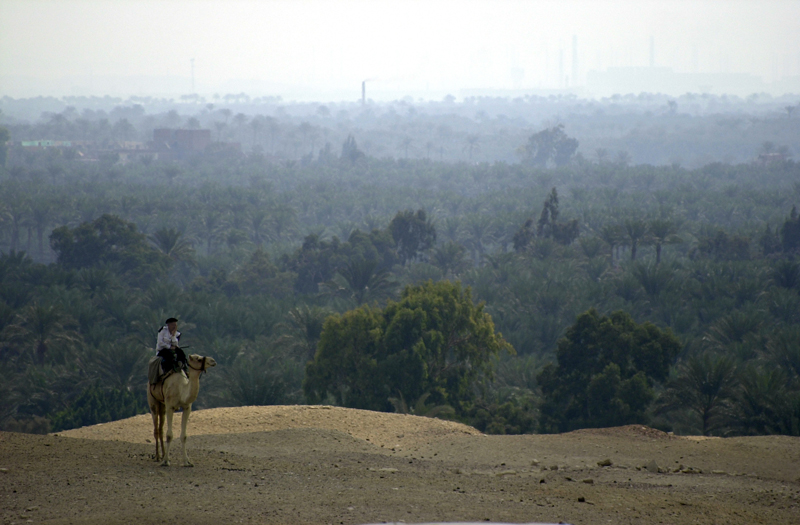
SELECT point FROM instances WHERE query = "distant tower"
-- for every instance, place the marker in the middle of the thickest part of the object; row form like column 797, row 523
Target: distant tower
column 574, row 60
column 652, row 51
column 363, row 92
column 561, row 68
column 192, row 61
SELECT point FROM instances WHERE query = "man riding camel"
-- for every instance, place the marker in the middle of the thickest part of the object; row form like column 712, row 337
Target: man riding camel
column 172, row 357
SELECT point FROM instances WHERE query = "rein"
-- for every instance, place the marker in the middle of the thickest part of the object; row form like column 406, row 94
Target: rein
column 202, row 365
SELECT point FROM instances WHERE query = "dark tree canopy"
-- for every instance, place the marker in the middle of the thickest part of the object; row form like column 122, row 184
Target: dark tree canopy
column 549, row 146
column 317, row 261
column 96, row 405
column 790, row 232
column 605, row 373
column 350, row 151
column 435, row 341
column 547, row 227
column 108, row 240
column 413, row 234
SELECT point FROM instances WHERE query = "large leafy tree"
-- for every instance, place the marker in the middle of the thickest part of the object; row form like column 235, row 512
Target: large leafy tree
column 549, row 146
column 108, row 240
column 413, row 234
column 435, row 341
column 607, row 366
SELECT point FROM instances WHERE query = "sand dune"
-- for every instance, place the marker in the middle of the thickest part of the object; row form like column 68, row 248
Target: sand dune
column 330, row 465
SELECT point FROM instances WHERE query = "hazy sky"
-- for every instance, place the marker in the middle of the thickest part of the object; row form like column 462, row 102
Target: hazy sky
column 324, row 49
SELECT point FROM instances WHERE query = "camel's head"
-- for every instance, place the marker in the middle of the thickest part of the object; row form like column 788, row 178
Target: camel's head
column 199, row 362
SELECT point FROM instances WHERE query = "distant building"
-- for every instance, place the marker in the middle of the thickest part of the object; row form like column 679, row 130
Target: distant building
column 766, row 159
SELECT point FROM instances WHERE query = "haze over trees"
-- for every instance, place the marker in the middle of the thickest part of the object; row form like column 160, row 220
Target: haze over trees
column 325, row 263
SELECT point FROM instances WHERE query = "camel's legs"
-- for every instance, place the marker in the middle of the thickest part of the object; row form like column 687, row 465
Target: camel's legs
column 165, row 463
column 184, row 422
column 154, row 413
column 160, row 429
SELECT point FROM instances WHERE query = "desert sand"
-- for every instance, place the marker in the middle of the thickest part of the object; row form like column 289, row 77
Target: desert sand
column 330, row 465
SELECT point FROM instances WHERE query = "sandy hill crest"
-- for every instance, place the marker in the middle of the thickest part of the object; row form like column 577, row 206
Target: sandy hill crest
column 379, row 428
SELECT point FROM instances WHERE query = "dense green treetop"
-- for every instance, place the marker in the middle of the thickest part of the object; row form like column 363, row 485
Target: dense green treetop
column 413, row 234
column 434, row 341
column 606, row 369
column 108, row 240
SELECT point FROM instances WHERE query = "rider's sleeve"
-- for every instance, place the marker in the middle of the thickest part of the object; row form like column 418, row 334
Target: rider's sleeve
column 164, row 339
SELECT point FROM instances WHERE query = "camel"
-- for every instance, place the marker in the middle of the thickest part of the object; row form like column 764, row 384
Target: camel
column 173, row 392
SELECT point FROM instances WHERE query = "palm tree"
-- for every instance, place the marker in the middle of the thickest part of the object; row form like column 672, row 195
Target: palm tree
column 302, row 329
column 212, row 225
column 55, row 170
column 731, row 330
column 219, row 126
column 611, row 235
column 15, row 213
column 479, row 231
column 449, row 228
column 623, row 158
column 258, row 224
column 663, row 232
column 450, row 258
column 786, row 274
column 704, row 384
column 305, row 129
column 121, row 365
column 41, row 328
column 239, row 120
column 653, row 278
column 428, row 147
column 365, row 280
column 173, row 244
column 282, row 217
column 635, row 231
column 263, row 378
column 783, row 349
column 764, row 404
column 257, row 125
column 405, row 143
column 472, row 144
column 273, row 128
column 96, row 280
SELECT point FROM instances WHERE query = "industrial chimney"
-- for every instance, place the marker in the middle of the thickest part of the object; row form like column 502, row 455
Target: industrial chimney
column 363, row 92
